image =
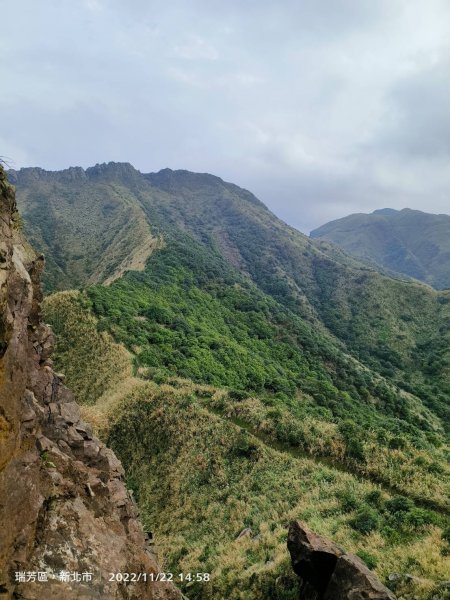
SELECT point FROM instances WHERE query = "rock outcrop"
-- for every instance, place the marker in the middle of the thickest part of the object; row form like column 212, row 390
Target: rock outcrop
column 326, row 572
column 67, row 520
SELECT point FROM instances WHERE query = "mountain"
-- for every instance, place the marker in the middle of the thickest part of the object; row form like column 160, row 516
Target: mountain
column 64, row 507
column 269, row 376
column 410, row 242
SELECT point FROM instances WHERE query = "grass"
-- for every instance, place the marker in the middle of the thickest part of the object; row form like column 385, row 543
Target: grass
column 219, row 479
column 91, row 361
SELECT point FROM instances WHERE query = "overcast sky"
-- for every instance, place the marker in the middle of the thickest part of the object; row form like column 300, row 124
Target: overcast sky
column 319, row 107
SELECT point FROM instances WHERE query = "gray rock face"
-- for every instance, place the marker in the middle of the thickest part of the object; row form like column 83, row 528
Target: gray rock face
column 326, row 572
column 63, row 503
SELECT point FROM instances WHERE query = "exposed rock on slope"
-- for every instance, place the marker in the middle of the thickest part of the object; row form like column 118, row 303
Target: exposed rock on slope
column 327, row 572
column 63, row 503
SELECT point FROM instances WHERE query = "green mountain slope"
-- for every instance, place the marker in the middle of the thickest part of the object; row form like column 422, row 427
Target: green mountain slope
column 391, row 325
column 90, row 231
column 408, row 241
column 263, row 343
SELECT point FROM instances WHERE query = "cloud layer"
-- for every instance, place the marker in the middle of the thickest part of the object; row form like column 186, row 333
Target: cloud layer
column 320, row 107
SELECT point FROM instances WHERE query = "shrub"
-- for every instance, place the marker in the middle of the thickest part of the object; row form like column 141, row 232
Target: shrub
column 418, row 517
column 397, row 443
column 237, row 394
column 375, row 498
column 245, row 447
column 352, row 435
column 445, row 535
column 349, row 502
column 365, row 520
column 435, row 468
column 399, row 504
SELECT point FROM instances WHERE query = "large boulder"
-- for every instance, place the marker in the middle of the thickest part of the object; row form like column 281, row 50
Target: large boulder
column 327, row 572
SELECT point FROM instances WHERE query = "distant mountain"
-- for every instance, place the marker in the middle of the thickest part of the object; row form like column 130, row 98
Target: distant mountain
column 410, row 242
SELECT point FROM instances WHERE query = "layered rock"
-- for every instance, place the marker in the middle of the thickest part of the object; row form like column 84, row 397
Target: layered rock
column 65, row 513
column 327, row 572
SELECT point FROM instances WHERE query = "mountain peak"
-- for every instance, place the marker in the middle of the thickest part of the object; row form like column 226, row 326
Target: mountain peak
column 114, row 169
column 385, row 211
column 166, row 176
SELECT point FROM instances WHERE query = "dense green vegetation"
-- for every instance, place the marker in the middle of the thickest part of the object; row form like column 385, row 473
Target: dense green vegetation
column 251, row 347
column 190, row 315
column 397, row 328
column 410, row 242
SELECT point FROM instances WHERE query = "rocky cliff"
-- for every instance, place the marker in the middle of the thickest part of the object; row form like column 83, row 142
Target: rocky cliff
column 67, row 519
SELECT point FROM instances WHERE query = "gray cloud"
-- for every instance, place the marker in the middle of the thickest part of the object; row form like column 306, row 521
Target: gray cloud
column 421, row 108
column 319, row 107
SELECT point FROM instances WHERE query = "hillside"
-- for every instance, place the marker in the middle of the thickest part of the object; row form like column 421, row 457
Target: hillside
column 238, row 467
column 411, row 242
column 273, row 376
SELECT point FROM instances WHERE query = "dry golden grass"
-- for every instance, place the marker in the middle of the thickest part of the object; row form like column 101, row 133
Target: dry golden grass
column 92, row 362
